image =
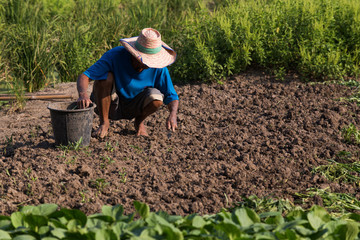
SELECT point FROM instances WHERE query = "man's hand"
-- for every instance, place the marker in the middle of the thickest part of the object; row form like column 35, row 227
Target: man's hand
column 82, row 85
column 171, row 122
column 83, row 101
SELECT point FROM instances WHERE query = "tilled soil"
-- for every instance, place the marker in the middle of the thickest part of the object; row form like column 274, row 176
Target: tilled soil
column 252, row 135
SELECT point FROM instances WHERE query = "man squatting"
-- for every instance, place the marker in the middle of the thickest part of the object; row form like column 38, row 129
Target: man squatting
column 131, row 81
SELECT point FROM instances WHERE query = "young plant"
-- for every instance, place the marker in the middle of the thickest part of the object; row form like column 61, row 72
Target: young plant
column 106, row 160
column 334, row 202
column 72, row 146
column 84, row 197
column 109, row 147
column 351, row 134
column 122, row 175
column 335, row 171
column 100, row 184
column 137, row 148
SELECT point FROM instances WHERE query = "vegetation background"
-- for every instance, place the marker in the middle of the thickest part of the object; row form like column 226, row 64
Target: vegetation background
column 47, row 41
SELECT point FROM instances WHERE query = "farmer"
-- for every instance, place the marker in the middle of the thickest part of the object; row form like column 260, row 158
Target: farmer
column 131, row 81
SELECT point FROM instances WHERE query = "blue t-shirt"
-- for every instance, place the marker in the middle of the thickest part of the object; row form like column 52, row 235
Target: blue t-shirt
column 129, row 82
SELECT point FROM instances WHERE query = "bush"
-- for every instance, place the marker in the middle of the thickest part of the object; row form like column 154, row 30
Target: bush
column 45, row 41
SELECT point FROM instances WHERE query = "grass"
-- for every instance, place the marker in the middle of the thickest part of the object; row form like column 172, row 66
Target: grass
column 340, row 172
column 43, row 42
column 344, row 168
column 333, row 202
column 99, row 184
column 351, row 134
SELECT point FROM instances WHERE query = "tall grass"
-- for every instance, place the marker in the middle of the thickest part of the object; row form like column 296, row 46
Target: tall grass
column 44, row 41
column 318, row 39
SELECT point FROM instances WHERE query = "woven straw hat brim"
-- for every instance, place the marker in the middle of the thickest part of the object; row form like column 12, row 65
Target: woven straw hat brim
column 164, row 58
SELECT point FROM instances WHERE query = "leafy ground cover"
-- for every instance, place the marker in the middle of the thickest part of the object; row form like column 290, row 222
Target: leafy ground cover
column 48, row 222
column 44, row 42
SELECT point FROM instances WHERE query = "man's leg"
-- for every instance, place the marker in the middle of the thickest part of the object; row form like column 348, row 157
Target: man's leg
column 148, row 110
column 102, row 93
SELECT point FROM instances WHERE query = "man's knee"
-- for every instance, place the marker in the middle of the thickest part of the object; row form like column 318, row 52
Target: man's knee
column 154, row 104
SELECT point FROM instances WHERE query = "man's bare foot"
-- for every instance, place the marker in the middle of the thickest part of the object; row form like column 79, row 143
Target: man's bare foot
column 102, row 131
column 140, row 128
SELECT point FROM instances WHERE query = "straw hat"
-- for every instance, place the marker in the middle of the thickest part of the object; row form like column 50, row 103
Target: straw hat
column 149, row 49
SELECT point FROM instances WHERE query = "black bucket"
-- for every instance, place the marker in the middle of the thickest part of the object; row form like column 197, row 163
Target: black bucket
column 70, row 124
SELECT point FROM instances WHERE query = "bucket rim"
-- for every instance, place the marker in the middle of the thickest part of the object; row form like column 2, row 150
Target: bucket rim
column 51, row 107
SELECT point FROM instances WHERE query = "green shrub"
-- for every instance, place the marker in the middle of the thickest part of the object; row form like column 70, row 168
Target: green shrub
column 44, row 41
column 47, row 222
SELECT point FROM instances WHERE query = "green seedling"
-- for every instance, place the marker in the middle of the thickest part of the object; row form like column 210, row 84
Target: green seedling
column 109, row 147
column 227, row 200
column 27, row 172
column 7, row 172
column 122, row 175
column 29, row 190
column 9, row 141
column 35, row 132
column 106, row 161
column 76, row 146
column 12, row 178
column 71, row 160
column 137, row 148
column 351, row 134
column 84, row 197
column 100, row 184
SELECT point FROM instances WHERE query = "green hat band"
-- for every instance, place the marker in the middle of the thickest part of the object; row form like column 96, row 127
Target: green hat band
column 147, row 50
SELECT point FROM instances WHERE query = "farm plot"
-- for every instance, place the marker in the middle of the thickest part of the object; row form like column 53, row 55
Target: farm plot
column 252, row 135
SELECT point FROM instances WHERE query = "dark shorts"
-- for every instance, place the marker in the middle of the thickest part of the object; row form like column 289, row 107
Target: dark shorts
column 121, row 108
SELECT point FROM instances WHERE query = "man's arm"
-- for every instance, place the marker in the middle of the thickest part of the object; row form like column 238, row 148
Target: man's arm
column 171, row 122
column 82, row 86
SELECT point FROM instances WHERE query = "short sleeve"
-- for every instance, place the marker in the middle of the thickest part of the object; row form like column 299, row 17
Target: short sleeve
column 100, row 69
column 166, row 86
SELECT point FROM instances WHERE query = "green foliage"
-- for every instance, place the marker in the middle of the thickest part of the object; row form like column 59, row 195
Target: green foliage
column 43, row 42
column 72, row 146
column 351, row 134
column 335, row 171
column 335, row 202
column 47, row 222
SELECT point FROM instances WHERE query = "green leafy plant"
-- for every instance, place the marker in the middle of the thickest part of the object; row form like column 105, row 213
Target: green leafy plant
column 100, row 184
column 72, row 146
column 45, row 42
column 335, row 202
column 351, row 134
column 109, row 147
column 122, row 175
column 106, row 160
column 137, row 148
column 50, row 222
column 335, row 171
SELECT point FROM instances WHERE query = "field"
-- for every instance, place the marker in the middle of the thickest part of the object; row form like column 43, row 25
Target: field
column 252, row 135
column 268, row 120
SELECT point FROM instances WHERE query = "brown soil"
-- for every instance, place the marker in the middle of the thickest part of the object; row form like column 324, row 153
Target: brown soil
column 252, row 135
